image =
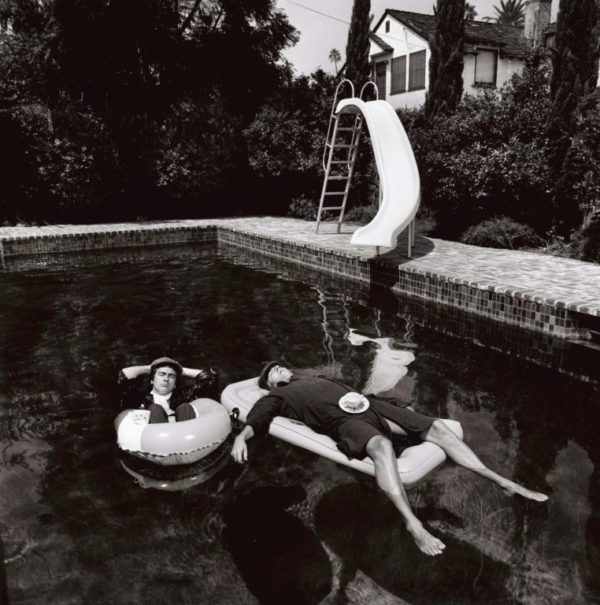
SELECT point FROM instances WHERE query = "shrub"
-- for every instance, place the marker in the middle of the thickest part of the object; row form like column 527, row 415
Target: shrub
column 489, row 157
column 285, row 142
column 362, row 214
column 502, row 232
column 305, row 208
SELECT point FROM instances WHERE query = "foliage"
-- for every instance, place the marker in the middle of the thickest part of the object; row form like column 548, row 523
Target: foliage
column 510, row 12
column 489, row 157
column 285, row 141
column 358, row 69
column 501, row 232
column 153, row 81
column 362, row 214
column 470, row 12
column 446, row 62
column 304, row 208
column 56, row 166
column 335, row 57
column 574, row 76
column 586, row 242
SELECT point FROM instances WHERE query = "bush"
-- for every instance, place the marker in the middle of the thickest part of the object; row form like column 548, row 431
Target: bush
column 489, row 158
column 304, row 208
column 362, row 214
column 285, row 143
column 502, row 232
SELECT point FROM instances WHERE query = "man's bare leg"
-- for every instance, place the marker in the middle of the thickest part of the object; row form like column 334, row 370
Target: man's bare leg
column 462, row 454
column 381, row 451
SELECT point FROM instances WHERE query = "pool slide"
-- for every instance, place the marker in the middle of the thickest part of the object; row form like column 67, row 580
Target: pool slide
column 398, row 173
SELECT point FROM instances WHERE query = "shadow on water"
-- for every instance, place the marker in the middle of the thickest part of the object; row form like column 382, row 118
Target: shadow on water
column 369, row 536
column 280, row 560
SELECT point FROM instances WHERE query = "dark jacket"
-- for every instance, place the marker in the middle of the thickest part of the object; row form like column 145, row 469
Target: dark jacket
column 136, row 393
column 314, row 401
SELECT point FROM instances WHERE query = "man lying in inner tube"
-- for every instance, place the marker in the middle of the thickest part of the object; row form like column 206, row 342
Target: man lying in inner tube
column 166, row 397
column 329, row 407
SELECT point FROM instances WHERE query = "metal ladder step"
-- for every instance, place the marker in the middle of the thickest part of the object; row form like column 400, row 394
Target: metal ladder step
column 332, row 143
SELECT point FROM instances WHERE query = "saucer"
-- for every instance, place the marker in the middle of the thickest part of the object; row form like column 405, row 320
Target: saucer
column 362, row 406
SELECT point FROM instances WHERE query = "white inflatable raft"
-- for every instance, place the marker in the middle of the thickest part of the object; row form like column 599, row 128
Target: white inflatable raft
column 413, row 463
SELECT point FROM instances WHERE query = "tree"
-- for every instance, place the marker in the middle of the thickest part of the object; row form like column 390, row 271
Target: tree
column 358, row 69
column 446, row 62
column 470, row 12
column 510, row 12
column 144, row 89
column 335, row 57
column 574, row 76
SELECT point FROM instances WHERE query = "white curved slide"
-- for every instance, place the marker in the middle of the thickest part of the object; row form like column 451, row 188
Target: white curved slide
column 398, row 173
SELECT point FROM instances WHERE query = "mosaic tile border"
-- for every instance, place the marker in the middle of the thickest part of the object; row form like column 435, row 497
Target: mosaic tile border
column 544, row 349
column 11, row 247
column 495, row 302
column 521, row 308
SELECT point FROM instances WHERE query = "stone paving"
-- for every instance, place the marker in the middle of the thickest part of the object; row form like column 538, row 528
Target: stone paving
column 559, row 282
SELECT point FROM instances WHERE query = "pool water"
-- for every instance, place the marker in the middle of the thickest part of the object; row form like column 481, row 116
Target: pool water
column 79, row 523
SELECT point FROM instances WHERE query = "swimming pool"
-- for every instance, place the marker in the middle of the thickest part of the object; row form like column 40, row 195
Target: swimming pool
column 75, row 526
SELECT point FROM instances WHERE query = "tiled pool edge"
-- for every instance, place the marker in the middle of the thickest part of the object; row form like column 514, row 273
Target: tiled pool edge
column 520, row 308
column 495, row 302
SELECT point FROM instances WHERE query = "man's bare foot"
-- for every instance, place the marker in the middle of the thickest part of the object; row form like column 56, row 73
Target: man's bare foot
column 425, row 542
column 514, row 488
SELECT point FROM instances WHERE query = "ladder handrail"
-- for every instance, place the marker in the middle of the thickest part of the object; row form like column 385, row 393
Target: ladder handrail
column 332, row 114
column 369, row 83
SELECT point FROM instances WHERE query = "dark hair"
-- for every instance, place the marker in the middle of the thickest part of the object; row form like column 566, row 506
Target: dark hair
column 263, row 379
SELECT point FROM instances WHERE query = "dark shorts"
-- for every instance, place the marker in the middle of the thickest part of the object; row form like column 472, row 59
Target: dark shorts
column 353, row 434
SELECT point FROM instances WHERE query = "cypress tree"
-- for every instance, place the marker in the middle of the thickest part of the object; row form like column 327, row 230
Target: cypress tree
column 574, row 76
column 358, row 69
column 446, row 62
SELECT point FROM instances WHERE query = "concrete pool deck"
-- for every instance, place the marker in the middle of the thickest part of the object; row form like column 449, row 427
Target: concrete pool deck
column 555, row 295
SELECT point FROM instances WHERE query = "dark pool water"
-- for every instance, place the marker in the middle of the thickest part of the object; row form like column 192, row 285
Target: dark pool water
column 78, row 526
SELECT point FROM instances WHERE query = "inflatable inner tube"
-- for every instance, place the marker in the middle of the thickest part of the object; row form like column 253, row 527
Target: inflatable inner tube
column 176, row 478
column 171, row 443
column 414, row 462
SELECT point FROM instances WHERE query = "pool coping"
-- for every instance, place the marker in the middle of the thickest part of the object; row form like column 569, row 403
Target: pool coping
column 456, row 285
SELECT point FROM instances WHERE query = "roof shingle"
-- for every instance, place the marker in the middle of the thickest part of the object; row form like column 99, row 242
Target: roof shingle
column 508, row 38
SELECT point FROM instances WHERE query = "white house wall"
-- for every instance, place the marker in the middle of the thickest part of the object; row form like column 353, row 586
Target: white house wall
column 404, row 41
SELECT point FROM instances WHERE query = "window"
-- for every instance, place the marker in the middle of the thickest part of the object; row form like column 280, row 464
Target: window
column 398, row 75
column 380, row 78
column 416, row 70
column 486, row 63
column 387, row 27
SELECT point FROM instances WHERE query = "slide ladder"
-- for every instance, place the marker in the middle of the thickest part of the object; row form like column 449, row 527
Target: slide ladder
column 399, row 182
column 339, row 158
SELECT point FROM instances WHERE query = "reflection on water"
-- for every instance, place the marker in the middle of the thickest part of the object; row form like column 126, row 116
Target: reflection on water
column 75, row 525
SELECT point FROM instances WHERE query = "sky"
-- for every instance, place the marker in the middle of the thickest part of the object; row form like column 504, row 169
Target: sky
column 320, row 33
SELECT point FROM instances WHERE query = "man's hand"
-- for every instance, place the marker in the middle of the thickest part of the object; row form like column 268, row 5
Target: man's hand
column 239, row 451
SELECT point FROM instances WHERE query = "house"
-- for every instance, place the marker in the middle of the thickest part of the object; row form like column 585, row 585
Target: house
column 400, row 52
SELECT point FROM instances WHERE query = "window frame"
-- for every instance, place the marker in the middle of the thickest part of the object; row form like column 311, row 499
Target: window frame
column 382, row 94
column 493, row 84
column 410, row 72
column 404, row 86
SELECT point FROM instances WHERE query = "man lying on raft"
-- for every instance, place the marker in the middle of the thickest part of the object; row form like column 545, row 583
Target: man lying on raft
column 165, row 400
column 314, row 401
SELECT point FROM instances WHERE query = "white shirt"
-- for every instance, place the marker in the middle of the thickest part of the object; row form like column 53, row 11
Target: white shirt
column 163, row 401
